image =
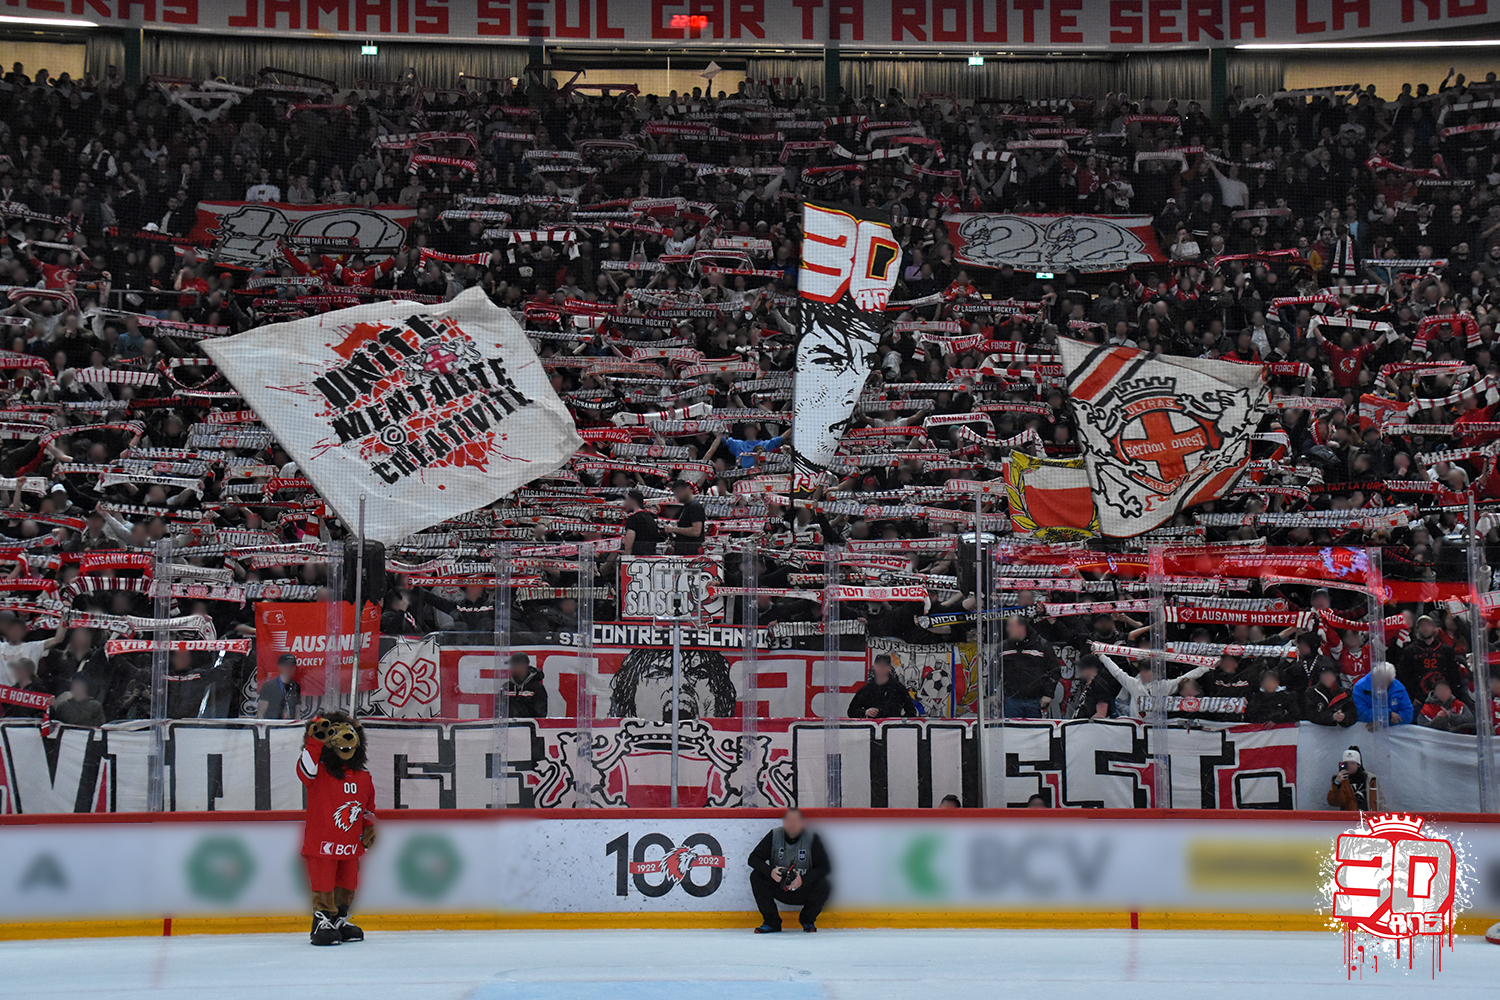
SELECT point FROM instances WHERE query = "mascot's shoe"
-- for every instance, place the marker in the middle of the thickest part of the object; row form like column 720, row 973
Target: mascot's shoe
column 768, row 929
column 325, row 929
column 347, row 931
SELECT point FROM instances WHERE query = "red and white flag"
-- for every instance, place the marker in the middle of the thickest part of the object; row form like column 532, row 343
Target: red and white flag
column 1049, row 499
column 1159, row 434
column 249, row 234
column 1053, row 242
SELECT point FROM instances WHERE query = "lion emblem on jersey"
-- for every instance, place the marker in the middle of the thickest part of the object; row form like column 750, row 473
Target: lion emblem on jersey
column 346, row 815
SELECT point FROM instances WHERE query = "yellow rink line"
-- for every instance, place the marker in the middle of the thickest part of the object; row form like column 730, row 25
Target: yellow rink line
column 937, row 919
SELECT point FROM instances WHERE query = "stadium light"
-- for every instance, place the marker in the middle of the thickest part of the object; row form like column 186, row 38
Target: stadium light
column 47, row 22
column 1472, row 43
column 369, row 50
column 976, row 60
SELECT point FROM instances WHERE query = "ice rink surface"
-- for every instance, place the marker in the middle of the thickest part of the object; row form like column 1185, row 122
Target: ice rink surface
column 726, row 965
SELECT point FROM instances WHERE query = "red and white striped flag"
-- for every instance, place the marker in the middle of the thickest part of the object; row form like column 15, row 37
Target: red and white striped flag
column 1159, row 434
column 1049, row 499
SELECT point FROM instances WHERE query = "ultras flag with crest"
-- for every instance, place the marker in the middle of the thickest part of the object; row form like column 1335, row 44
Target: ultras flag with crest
column 1159, row 434
column 430, row 411
column 850, row 263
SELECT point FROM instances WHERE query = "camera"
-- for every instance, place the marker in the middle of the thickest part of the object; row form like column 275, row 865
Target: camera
column 788, row 876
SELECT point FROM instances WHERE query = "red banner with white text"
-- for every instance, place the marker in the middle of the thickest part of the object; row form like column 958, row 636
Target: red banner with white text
column 908, row 24
column 301, row 629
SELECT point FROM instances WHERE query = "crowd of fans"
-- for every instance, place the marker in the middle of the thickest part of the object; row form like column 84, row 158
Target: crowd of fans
column 1350, row 242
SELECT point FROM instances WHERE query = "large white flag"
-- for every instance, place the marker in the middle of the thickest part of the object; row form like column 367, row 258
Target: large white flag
column 1159, row 433
column 429, row 411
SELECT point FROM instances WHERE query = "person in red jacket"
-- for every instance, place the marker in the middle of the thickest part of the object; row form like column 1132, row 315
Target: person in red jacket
column 340, row 821
column 1346, row 359
column 355, row 274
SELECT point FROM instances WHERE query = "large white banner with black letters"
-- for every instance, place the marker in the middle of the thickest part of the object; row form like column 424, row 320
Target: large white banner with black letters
column 895, row 763
column 427, row 411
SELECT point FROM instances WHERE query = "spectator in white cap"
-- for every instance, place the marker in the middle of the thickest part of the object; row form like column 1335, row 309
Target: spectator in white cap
column 1353, row 788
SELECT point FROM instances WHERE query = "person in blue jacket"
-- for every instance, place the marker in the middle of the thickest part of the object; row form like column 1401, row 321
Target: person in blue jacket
column 1398, row 700
column 745, row 451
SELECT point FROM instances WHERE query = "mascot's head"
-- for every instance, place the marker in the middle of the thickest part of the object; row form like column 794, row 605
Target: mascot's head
column 343, row 742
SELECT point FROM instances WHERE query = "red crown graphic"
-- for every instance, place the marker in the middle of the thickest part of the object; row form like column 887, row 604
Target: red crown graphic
column 1395, row 823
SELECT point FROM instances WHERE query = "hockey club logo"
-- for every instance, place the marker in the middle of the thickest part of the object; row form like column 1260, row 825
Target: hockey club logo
column 656, row 864
column 1152, row 440
column 1392, row 886
column 1159, row 437
column 346, row 815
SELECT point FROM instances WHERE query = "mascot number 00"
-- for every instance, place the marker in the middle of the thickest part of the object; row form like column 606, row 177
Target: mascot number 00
column 340, row 821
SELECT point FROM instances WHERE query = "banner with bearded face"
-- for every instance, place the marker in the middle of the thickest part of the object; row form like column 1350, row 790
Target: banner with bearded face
column 849, row 266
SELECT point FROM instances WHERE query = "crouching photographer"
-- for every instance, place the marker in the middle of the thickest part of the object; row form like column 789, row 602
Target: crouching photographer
column 790, row 866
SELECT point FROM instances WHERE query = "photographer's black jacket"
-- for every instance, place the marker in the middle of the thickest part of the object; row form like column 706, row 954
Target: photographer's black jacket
column 818, row 866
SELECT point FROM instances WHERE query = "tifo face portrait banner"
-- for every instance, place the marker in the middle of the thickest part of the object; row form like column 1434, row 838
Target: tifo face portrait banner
column 428, row 411
column 849, row 266
column 1053, row 242
column 250, row 233
column 920, row 25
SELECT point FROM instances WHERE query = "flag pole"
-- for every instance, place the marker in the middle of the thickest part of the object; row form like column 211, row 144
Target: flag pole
column 359, row 595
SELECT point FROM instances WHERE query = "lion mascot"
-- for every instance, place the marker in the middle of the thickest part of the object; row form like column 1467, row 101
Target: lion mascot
column 340, row 821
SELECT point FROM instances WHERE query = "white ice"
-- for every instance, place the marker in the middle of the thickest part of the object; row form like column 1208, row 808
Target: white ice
column 726, row 965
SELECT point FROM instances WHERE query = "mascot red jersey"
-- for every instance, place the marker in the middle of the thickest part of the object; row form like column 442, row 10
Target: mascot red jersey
column 340, row 821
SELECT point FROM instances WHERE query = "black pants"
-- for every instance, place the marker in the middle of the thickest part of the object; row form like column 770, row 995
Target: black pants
column 767, row 894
